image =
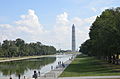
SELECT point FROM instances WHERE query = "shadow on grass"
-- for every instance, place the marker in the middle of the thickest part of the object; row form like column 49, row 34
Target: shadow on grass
column 84, row 65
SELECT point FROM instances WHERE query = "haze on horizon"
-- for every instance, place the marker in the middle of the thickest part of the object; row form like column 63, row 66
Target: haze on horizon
column 50, row 21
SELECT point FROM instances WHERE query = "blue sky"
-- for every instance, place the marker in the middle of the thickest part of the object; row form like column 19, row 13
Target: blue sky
column 48, row 9
column 52, row 15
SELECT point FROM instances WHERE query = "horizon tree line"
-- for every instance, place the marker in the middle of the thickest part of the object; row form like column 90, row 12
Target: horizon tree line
column 18, row 48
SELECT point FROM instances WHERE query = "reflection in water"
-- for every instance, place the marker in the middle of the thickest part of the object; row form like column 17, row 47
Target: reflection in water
column 20, row 67
column 27, row 67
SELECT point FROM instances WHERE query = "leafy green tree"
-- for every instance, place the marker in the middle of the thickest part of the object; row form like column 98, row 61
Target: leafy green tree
column 18, row 47
column 104, row 35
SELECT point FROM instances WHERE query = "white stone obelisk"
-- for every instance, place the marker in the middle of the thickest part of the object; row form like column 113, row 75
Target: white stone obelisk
column 73, row 39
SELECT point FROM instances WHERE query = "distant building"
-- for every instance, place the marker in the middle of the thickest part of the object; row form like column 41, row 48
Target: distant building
column 73, row 39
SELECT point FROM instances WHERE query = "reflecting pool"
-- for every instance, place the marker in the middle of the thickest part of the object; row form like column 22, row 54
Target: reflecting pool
column 27, row 67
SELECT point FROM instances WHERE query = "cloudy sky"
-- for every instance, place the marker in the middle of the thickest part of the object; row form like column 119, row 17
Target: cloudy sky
column 50, row 21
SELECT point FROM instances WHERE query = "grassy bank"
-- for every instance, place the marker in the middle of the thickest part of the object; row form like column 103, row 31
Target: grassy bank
column 89, row 66
column 22, row 58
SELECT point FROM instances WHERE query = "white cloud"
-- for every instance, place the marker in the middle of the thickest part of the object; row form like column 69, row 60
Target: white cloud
column 90, row 19
column 30, row 20
column 62, row 18
column 94, row 9
column 29, row 23
column 5, row 26
column 103, row 8
column 29, row 28
column 5, row 31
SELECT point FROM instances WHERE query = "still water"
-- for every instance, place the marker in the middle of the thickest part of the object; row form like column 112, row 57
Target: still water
column 27, row 67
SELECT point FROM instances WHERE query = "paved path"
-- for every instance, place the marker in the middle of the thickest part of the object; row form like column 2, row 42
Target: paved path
column 92, row 77
column 56, row 72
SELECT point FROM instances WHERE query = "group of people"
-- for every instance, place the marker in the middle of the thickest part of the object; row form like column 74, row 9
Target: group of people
column 60, row 64
column 35, row 75
column 18, row 76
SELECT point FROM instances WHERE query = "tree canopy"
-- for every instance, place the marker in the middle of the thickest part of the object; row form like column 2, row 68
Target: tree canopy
column 18, row 47
column 104, row 36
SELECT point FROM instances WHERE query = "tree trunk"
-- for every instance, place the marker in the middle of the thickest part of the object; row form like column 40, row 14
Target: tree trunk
column 117, row 59
column 109, row 59
column 106, row 58
column 113, row 60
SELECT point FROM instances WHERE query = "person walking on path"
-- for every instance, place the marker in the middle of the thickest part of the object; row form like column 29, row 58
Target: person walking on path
column 63, row 65
column 10, row 77
column 35, row 75
column 51, row 67
column 39, row 73
column 19, row 76
column 24, row 77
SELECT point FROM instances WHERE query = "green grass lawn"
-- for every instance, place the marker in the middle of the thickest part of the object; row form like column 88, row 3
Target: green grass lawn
column 89, row 66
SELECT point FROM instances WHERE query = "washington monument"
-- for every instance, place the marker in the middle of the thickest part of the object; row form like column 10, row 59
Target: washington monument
column 73, row 38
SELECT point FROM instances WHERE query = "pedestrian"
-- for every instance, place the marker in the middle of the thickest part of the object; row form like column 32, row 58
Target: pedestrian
column 24, row 77
column 60, row 62
column 18, row 76
column 56, row 67
column 63, row 65
column 69, row 59
column 10, row 77
column 51, row 67
column 39, row 73
column 35, row 75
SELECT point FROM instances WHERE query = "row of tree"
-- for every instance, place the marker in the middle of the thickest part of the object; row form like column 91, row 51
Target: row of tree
column 18, row 47
column 104, row 36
